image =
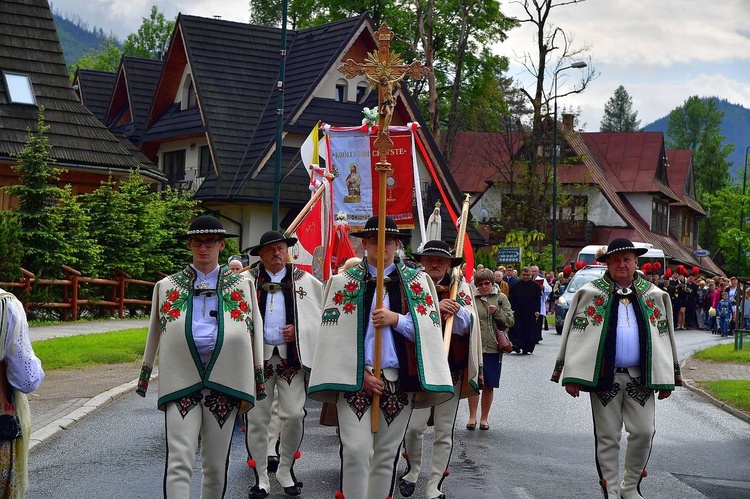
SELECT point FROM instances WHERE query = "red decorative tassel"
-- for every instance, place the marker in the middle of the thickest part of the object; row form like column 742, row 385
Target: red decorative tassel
column 696, row 270
column 644, row 474
column 251, row 463
column 446, row 473
column 603, row 483
column 339, row 495
column 297, row 455
column 405, row 455
column 580, row 265
column 567, row 270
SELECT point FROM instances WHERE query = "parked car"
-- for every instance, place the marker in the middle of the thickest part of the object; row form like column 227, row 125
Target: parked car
column 586, row 274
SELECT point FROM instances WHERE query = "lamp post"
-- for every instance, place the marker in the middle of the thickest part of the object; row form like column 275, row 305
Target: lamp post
column 742, row 212
column 577, row 65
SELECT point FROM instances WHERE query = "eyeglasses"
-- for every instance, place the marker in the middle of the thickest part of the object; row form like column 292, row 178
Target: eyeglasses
column 208, row 243
column 389, row 241
column 484, row 283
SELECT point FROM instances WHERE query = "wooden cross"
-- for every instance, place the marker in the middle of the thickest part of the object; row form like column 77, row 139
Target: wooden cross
column 383, row 69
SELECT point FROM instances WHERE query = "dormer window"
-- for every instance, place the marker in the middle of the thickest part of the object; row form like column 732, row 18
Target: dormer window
column 19, row 88
column 341, row 91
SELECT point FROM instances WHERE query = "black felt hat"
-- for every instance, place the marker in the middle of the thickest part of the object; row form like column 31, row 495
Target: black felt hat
column 618, row 246
column 371, row 229
column 270, row 237
column 438, row 248
column 206, row 225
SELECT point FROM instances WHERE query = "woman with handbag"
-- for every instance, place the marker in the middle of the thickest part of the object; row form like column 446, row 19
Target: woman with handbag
column 495, row 317
column 20, row 373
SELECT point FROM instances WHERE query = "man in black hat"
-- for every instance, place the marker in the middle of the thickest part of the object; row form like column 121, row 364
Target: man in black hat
column 210, row 362
column 463, row 360
column 290, row 303
column 413, row 366
column 618, row 344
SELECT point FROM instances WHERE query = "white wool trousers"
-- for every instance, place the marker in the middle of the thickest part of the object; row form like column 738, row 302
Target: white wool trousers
column 368, row 460
column 182, row 444
column 633, row 406
column 444, row 419
column 291, row 412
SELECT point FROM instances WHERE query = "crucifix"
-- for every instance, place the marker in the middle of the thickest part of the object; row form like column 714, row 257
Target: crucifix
column 384, row 70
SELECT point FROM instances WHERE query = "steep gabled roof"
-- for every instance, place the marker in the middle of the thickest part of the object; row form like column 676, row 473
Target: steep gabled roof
column 681, row 178
column 94, row 88
column 637, row 229
column 132, row 95
column 29, row 45
column 634, row 161
column 311, row 55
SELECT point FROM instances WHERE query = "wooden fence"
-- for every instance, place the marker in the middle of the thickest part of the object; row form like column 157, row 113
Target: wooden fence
column 71, row 286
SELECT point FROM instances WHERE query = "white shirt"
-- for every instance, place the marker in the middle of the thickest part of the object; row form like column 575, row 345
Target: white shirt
column 628, row 348
column 405, row 327
column 205, row 326
column 275, row 317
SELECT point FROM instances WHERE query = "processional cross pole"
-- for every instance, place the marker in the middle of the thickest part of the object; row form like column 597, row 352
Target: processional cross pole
column 384, row 70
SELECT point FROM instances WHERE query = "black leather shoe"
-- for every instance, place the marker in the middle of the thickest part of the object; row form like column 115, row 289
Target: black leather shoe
column 406, row 488
column 257, row 493
column 293, row 490
column 273, row 464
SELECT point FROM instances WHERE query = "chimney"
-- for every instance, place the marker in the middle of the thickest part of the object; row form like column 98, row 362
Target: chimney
column 567, row 120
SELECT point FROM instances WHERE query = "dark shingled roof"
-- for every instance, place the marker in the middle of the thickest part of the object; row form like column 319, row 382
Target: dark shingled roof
column 29, row 45
column 311, row 53
column 133, row 93
column 95, row 90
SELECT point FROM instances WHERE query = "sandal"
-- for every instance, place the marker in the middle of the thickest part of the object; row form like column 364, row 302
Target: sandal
column 484, row 426
column 471, row 426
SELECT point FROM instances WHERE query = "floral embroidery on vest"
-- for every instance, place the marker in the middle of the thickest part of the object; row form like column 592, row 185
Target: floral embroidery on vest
column 653, row 311
column 595, row 311
column 464, row 299
column 347, row 297
column 174, row 304
column 238, row 308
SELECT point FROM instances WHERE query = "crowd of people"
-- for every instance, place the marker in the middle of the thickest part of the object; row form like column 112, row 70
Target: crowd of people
column 432, row 334
column 387, row 355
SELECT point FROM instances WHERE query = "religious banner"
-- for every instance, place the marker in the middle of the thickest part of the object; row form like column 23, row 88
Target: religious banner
column 352, row 157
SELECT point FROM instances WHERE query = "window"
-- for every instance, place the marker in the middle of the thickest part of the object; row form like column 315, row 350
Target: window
column 192, row 99
column 206, row 163
column 361, row 92
column 573, row 208
column 20, row 90
column 341, row 91
column 174, row 166
column 659, row 216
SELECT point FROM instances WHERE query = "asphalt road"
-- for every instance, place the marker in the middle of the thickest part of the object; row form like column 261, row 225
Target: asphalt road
column 540, row 445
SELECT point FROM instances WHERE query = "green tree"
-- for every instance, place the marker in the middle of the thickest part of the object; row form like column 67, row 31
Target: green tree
column 80, row 250
column 152, row 38
column 37, row 194
column 727, row 206
column 10, row 246
column 696, row 125
column 105, row 58
column 618, row 113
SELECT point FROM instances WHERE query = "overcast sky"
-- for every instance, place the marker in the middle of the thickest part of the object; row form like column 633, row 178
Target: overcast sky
column 661, row 51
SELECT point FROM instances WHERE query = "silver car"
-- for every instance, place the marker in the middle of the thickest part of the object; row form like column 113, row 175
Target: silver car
column 586, row 274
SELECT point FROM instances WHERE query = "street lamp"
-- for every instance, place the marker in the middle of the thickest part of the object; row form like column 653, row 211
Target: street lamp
column 742, row 212
column 577, row 65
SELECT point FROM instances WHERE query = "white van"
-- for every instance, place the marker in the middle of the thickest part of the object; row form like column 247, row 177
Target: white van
column 588, row 254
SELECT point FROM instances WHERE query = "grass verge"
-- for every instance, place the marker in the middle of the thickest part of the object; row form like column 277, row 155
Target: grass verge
column 734, row 392
column 79, row 352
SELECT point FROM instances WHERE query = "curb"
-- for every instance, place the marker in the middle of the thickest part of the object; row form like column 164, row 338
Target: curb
column 689, row 384
column 93, row 405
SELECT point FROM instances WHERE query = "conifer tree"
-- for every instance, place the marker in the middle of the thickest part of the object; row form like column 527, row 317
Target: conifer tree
column 618, row 113
column 10, row 246
column 37, row 194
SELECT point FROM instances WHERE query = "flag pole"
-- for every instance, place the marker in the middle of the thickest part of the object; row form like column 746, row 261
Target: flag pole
column 463, row 221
